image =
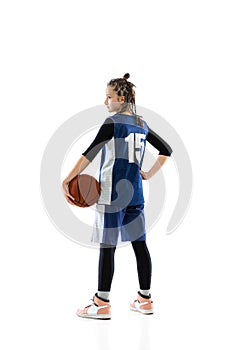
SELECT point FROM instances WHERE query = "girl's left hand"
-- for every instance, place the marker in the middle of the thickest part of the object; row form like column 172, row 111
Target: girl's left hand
column 145, row 175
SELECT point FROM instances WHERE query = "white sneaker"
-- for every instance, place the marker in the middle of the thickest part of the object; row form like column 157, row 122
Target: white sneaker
column 98, row 309
column 142, row 304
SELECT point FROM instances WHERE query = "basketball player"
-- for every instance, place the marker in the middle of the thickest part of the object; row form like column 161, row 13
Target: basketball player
column 120, row 208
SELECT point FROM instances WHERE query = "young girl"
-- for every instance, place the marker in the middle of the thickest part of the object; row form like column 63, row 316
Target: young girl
column 120, row 208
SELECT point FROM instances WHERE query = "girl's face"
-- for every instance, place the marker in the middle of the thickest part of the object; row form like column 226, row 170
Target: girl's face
column 113, row 101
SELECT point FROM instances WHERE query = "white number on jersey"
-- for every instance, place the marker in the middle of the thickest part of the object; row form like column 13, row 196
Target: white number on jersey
column 135, row 146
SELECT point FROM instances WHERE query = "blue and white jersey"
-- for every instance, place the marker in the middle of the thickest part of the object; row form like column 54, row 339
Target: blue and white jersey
column 123, row 142
column 121, row 159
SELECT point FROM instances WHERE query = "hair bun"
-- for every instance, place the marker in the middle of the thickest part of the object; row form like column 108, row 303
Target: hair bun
column 126, row 76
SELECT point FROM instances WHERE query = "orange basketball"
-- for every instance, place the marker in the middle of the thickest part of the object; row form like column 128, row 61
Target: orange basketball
column 85, row 189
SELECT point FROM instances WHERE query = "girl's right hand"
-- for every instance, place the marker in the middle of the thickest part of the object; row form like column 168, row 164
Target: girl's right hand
column 65, row 187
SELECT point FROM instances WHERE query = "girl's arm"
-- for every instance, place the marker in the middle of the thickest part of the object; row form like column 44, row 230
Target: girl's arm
column 81, row 164
column 104, row 135
column 164, row 152
column 146, row 175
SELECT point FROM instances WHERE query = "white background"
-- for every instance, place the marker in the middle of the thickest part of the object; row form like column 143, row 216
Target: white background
column 56, row 57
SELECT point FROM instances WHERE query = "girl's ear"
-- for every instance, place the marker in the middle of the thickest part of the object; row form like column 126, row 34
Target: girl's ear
column 122, row 99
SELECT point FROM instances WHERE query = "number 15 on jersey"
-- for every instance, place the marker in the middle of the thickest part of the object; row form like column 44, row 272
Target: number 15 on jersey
column 136, row 145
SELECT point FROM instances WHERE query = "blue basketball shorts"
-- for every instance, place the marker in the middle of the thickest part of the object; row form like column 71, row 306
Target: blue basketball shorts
column 113, row 225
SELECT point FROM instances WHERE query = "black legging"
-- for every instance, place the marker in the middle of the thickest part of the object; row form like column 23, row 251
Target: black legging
column 106, row 266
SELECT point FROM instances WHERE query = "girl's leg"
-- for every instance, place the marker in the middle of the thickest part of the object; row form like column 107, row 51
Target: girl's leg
column 101, row 308
column 106, row 270
column 144, row 265
column 143, row 303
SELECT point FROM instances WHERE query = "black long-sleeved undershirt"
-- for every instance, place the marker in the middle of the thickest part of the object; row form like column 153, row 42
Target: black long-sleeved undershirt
column 106, row 132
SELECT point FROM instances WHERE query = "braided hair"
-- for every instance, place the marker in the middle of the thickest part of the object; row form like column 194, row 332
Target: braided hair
column 125, row 88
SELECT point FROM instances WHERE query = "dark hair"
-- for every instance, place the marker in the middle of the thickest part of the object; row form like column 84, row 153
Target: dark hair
column 125, row 88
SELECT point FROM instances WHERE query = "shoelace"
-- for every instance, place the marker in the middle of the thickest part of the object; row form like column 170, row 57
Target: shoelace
column 91, row 301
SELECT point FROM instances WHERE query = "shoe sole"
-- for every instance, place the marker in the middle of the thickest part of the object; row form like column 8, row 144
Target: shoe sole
column 95, row 317
column 144, row 312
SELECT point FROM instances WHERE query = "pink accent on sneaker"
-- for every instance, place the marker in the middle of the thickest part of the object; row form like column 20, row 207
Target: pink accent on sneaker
column 142, row 305
column 98, row 309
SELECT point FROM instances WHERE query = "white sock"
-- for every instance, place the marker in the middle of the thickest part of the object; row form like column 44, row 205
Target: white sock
column 145, row 292
column 103, row 295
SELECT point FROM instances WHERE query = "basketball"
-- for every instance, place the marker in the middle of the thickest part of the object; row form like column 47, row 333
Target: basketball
column 85, row 189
